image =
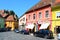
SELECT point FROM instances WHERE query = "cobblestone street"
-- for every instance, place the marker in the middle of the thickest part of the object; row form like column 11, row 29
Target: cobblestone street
column 18, row 36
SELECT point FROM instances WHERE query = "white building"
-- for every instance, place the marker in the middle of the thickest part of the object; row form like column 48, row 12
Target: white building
column 22, row 21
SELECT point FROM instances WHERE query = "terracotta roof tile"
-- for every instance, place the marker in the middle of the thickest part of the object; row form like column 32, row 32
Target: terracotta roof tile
column 7, row 16
column 43, row 3
column 57, row 2
column 10, row 18
column 40, row 4
column 2, row 13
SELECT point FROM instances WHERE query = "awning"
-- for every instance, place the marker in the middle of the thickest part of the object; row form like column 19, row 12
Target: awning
column 30, row 26
column 44, row 25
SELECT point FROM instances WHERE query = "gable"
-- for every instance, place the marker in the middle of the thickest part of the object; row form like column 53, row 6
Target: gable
column 10, row 18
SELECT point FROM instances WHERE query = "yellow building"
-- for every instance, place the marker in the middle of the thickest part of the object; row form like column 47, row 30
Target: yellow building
column 10, row 19
column 55, row 18
column 11, row 23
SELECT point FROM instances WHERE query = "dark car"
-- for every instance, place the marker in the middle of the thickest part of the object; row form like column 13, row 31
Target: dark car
column 16, row 30
column 24, row 32
column 3, row 29
column 44, row 33
column 8, row 28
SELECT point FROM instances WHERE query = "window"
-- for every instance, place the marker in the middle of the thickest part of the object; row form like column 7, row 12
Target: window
column 33, row 16
column 29, row 17
column 58, row 14
column 20, row 20
column 23, row 19
column 47, row 14
column 40, row 15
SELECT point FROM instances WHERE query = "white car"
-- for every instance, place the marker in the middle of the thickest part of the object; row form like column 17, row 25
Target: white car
column 58, row 36
column 16, row 30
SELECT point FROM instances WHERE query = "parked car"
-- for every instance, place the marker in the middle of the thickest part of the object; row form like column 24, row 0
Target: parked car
column 44, row 33
column 8, row 28
column 58, row 33
column 24, row 32
column 3, row 29
column 58, row 36
column 16, row 30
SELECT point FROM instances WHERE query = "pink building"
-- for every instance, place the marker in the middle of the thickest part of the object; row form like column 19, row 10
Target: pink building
column 39, row 14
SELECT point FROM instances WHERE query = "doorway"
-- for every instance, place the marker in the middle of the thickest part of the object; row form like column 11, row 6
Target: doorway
column 57, row 29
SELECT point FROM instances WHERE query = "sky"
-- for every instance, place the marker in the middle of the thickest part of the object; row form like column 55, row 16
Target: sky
column 18, row 6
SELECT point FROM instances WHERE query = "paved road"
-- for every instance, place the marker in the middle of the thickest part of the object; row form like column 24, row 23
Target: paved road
column 18, row 36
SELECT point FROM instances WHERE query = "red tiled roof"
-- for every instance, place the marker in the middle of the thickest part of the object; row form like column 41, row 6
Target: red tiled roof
column 10, row 18
column 55, row 2
column 43, row 3
column 7, row 16
column 2, row 13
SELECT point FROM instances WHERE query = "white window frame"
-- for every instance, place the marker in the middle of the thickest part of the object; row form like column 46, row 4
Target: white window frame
column 47, row 16
column 57, row 14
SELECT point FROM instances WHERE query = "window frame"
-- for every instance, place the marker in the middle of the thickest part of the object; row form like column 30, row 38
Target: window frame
column 34, row 16
column 40, row 15
column 47, row 13
column 24, row 19
column 29, row 17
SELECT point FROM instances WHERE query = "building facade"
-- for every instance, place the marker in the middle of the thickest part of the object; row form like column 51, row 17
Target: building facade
column 11, row 20
column 55, row 18
column 22, row 22
column 42, row 13
column 11, row 23
column 40, row 16
column 2, row 22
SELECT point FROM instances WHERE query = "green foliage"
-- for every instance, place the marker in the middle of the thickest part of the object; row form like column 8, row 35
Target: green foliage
column 6, row 11
column 16, row 17
column 12, row 12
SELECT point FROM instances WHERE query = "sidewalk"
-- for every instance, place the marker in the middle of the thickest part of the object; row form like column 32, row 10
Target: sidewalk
column 55, row 37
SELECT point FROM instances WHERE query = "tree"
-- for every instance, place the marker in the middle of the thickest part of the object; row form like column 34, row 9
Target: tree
column 14, row 15
column 12, row 12
column 6, row 11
